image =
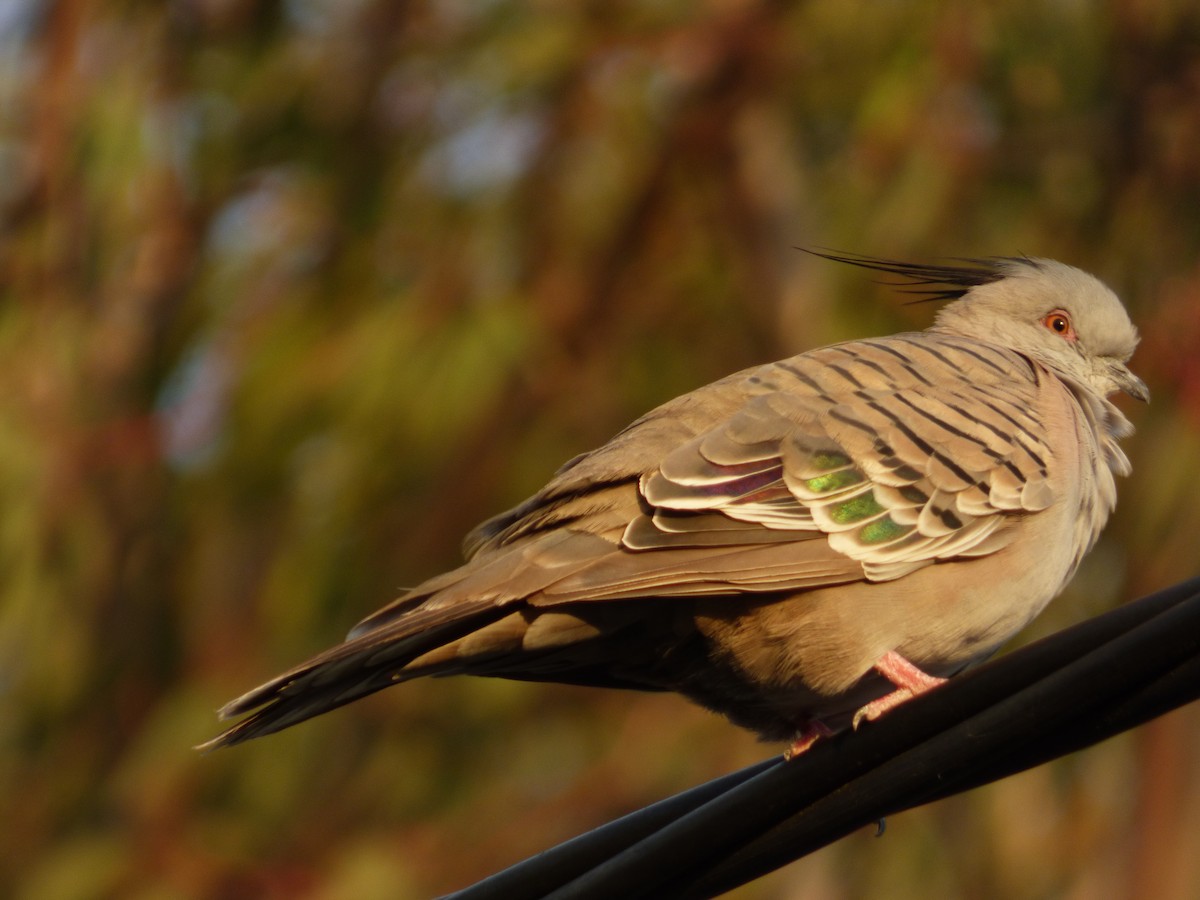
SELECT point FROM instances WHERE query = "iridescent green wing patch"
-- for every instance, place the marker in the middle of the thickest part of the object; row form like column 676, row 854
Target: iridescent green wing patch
column 883, row 531
column 856, row 509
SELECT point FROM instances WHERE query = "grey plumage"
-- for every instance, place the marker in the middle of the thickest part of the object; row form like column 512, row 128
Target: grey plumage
column 779, row 545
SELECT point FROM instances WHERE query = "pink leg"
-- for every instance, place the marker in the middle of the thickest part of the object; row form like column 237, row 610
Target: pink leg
column 812, row 731
column 908, row 679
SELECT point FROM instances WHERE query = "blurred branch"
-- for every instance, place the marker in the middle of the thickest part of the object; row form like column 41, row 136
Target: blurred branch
column 1066, row 692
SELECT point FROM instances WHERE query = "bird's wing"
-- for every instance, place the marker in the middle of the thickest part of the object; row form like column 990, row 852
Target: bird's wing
column 863, row 460
column 895, row 471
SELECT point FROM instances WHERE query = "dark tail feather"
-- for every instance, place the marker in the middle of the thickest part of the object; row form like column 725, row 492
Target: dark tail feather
column 364, row 665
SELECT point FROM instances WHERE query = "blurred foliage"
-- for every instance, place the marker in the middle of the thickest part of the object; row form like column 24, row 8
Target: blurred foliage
column 295, row 292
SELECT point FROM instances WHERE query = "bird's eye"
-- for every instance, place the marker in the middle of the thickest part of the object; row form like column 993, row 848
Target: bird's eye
column 1060, row 323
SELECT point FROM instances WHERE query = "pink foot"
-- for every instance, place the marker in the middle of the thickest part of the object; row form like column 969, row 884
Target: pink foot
column 908, row 679
column 812, row 732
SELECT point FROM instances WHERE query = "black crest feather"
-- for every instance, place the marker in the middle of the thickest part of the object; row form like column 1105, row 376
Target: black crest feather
column 931, row 282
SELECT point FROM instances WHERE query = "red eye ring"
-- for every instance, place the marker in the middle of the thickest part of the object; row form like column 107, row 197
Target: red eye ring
column 1059, row 321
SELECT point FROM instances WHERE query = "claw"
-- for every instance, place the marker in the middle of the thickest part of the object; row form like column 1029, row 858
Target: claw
column 812, row 732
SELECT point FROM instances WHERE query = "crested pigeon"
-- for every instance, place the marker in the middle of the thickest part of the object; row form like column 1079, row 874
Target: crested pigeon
column 797, row 546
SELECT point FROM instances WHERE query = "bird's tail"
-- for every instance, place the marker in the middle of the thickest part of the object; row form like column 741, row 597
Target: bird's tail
column 362, row 665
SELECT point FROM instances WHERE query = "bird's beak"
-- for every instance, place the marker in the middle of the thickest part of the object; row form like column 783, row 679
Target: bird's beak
column 1130, row 383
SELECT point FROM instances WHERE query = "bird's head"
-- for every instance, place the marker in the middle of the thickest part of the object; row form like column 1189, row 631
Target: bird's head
column 1064, row 318
column 1056, row 314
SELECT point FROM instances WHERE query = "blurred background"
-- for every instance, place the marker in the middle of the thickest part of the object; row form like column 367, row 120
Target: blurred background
column 294, row 293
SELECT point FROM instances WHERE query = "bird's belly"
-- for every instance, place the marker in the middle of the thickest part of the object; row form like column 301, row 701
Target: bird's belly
column 780, row 662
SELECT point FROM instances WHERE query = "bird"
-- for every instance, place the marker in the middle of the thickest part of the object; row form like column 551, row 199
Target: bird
column 800, row 546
